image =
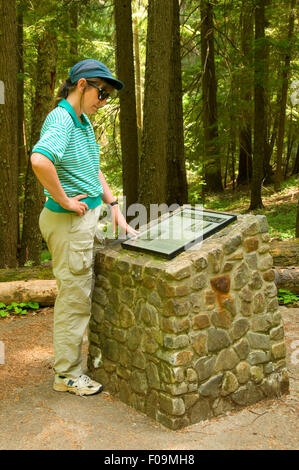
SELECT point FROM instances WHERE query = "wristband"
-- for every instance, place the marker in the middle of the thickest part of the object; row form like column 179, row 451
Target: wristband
column 113, row 203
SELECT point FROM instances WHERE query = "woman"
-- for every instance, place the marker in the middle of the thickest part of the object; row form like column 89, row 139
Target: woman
column 66, row 162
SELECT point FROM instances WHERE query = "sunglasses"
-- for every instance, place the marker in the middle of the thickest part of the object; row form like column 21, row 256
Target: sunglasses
column 103, row 94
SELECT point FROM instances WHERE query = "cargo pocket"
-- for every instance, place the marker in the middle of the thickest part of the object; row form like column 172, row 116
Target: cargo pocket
column 80, row 256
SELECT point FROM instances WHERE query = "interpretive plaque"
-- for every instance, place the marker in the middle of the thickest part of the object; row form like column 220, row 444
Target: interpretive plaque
column 179, row 231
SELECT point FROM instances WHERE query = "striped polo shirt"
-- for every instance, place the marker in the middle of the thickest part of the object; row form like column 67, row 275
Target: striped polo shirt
column 72, row 147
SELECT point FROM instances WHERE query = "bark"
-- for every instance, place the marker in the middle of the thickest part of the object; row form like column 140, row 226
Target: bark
column 31, row 245
column 287, row 278
column 22, row 151
column 267, row 168
column 296, row 164
column 297, row 221
column 42, row 291
column 285, row 253
column 8, row 135
column 283, row 101
column 212, row 164
column 269, row 146
column 153, row 163
column 259, row 106
column 245, row 133
column 127, row 99
column 138, row 83
column 177, row 190
column 73, row 17
column 291, row 139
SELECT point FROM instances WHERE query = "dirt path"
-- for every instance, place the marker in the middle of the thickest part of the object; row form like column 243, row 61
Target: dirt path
column 33, row 416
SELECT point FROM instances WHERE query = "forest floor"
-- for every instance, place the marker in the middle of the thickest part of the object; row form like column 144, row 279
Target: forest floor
column 33, row 416
column 280, row 207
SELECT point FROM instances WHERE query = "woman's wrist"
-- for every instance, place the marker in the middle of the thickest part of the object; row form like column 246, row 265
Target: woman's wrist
column 113, row 203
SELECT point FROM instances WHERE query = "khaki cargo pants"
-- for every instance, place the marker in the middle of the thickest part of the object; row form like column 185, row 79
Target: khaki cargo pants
column 70, row 239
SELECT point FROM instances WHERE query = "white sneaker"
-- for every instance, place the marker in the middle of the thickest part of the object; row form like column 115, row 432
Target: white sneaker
column 83, row 385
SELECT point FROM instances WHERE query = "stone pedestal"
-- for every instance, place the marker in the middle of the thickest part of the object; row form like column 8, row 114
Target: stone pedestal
column 191, row 338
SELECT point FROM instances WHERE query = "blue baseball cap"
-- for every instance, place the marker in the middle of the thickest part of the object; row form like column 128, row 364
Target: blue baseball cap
column 90, row 68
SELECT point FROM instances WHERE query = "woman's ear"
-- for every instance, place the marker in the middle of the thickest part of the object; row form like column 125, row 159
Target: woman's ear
column 81, row 84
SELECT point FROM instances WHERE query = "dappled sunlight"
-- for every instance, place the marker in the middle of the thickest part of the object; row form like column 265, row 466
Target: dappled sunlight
column 28, row 352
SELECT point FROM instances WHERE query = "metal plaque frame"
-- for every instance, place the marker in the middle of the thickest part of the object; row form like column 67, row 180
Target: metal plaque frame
column 194, row 224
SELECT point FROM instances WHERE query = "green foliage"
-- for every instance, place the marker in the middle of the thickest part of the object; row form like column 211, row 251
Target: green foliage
column 17, row 308
column 28, row 263
column 46, row 256
column 95, row 38
column 280, row 209
column 287, row 297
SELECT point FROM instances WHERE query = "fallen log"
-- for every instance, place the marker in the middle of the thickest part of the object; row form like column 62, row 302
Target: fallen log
column 285, row 253
column 287, row 278
column 45, row 291
column 42, row 291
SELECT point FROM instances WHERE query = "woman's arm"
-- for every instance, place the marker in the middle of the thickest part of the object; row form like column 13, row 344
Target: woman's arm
column 117, row 217
column 47, row 175
column 107, row 194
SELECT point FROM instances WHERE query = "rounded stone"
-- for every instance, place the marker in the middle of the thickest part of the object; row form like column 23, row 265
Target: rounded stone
column 251, row 244
column 239, row 328
column 212, row 387
column 258, row 340
column 279, row 350
column 138, row 382
column 243, row 372
column 221, row 284
column 227, row 359
column 172, row 406
column 199, row 343
column 200, row 321
column 199, row 281
column 230, row 384
column 242, row 348
column 217, row 339
column 256, row 374
column 241, row 276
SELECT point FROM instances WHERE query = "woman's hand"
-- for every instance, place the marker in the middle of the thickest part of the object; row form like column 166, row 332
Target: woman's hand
column 75, row 205
column 119, row 220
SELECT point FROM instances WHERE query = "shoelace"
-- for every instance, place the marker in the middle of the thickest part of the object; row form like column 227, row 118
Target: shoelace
column 81, row 381
column 84, row 378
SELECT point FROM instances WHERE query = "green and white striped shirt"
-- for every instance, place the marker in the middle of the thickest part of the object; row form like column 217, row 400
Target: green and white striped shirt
column 72, row 147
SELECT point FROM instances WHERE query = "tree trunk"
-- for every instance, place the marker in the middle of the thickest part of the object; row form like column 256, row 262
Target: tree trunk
column 259, row 106
column 21, row 141
column 283, row 101
column 297, row 221
column 296, row 164
column 153, row 163
column 127, row 98
column 212, row 164
column 138, row 84
column 245, row 134
column 8, row 135
column 177, row 190
column 291, row 139
column 73, row 18
column 31, row 245
column 269, row 146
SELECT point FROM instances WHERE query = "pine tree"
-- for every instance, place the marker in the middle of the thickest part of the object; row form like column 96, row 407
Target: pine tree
column 8, row 135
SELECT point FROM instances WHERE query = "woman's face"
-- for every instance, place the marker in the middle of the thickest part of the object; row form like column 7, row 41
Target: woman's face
column 90, row 99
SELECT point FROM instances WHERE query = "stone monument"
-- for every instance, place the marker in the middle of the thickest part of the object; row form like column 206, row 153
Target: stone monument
column 187, row 339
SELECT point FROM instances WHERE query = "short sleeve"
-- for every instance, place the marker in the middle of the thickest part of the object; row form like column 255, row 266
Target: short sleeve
column 53, row 142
